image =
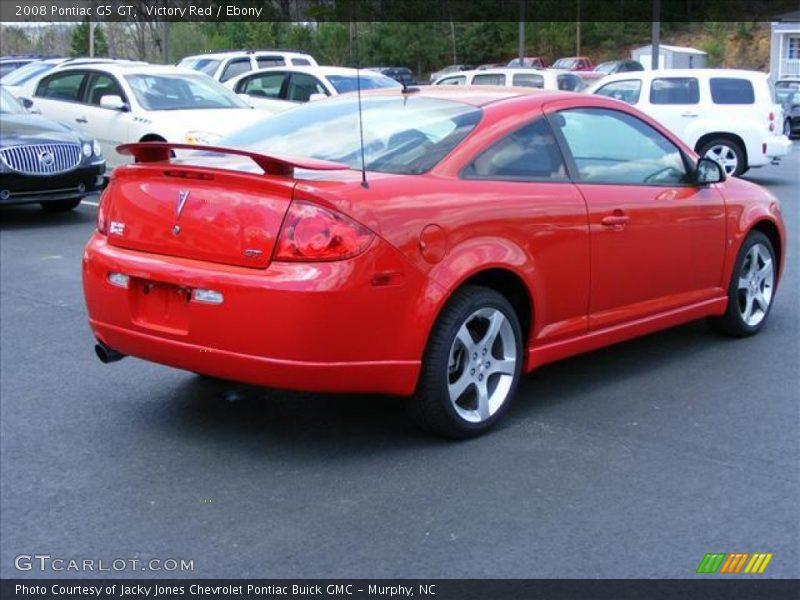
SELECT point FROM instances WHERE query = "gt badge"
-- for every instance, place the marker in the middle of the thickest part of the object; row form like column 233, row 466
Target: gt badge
column 116, row 228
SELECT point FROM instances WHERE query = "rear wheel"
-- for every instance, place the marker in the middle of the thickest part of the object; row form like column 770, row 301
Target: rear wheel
column 60, row 205
column 727, row 153
column 471, row 366
column 751, row 290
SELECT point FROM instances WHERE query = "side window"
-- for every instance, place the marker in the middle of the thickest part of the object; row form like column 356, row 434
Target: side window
column 528, row 154
column 732, row 90
column 674, row 90
column 236, row 67
column 101, row 85
column 489, row 79
column 267, row 85
column 62, row 86
column 627, row 91
column 301, row 62
column 459, row 80
column 528, row 80
column 265, row 62
column 301, row 86
column 610, row 146
column 568, row 83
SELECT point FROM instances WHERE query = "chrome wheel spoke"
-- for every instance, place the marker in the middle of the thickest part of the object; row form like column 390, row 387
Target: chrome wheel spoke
column 484, row 411
column 765, row 272
column 465, row 337
column 460, row 385
column 744, row 283
column 755, row 284
column 496, row 321
column 505, row 367
column 747, row 313
column 761, row 301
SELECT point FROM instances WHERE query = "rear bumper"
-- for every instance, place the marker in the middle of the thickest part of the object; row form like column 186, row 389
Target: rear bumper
column 324, row 327
column 777, row 146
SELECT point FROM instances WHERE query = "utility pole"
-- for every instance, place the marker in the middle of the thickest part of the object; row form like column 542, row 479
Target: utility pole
column 656, row 35
column 521, row 48
column 578, row 31
column 91, row 37
column 453, row 36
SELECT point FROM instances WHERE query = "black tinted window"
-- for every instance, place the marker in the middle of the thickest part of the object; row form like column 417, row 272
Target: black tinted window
column 627, row 91
column 235, row 67
column 489, row 79
column 609, row 146
column 63, row 86
column 528, row 80
column 264, row 62
column 731, row 90
column 530, row 153
column 675, row 90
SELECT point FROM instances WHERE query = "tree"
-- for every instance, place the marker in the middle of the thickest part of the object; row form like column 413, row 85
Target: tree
column 79, row 45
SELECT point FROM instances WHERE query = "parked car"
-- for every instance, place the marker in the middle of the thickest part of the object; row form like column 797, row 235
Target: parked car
column 45, row 162
column 282, row 88
column 223, row 66
column 22, row 82
column 725, row 114
column 448, row 70
column 485, row 66
column 497, row 231
column 549, row 79
column 618, row 66
column 574, row 63
column 116, row 103
column 787, row 94
column 403, row 75
column 536, row 62
column 13, row 62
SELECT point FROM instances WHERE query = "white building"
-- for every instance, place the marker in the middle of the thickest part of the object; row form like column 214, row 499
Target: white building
column 784, row 54
column 671, row 57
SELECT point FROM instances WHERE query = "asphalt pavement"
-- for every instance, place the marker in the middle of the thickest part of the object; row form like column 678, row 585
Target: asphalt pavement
column 631, row 461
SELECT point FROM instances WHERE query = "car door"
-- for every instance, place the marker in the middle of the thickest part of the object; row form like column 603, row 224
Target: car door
column 58, row 96
column 110, row 127
column 657, row 241
column 302, row 86
column 674, row 102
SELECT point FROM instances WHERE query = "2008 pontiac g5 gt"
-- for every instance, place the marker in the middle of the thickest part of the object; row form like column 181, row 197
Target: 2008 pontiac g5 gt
column 491, row 231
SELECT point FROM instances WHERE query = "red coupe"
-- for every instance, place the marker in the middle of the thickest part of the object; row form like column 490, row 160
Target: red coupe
column 490, row 231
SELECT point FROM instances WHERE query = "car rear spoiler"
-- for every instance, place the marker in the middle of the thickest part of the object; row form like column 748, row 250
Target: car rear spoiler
column 273, row 164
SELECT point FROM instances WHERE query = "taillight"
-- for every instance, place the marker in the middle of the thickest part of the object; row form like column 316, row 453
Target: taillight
column 314, row 233
column 102, row 214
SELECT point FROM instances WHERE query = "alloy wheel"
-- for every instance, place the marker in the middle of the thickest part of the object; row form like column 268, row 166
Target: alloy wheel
column 482, row 364
column 725, row 156
column 756, row 283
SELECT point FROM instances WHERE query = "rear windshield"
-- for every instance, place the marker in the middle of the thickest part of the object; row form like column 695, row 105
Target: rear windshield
column 26, row 73
column 349, row 83
column 732, row 90
column 404, row 135
column 204, row 65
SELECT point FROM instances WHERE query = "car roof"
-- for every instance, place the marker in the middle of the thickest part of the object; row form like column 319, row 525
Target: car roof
column 229, row 53
column 319, row 71
column 132, row 68
column 691, row 73
column 475, row 95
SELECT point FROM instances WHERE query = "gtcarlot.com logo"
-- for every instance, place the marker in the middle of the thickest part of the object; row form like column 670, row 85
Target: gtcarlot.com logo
column 46, row 562
column 735, row 563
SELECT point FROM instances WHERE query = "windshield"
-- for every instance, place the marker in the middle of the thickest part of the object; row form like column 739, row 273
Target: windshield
column 404, row 135
column 164, row 91
column 349, row 83
column 784, row 90
column 26, row 73
column 204, row 65
column 605, row 67
column 564, row 63
column 8, row 104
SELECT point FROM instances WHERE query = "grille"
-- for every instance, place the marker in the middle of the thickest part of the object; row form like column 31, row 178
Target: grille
column 42, row 159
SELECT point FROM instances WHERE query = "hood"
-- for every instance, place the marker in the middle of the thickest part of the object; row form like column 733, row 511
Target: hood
column 18, row 129
column 215, row 120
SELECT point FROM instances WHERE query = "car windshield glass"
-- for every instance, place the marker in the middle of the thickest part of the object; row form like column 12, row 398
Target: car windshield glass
column 26, row 73
column 605, row 67
column 8, row 104
column 204, row 65
column 163, row 91
column 564, row 63
column 785, row 90
column 405, row 135
column 348, row 83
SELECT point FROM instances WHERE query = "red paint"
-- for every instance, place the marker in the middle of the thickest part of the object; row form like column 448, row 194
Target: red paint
column 600, row 263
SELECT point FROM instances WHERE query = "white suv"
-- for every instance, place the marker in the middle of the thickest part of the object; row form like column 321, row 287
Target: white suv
column 725, row 114
column 226, row 65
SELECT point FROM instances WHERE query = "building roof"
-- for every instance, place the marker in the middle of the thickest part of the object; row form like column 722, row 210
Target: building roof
column 680, row 49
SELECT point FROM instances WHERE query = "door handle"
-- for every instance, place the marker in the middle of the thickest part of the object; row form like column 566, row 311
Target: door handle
column 81, row 120
column 615, row 220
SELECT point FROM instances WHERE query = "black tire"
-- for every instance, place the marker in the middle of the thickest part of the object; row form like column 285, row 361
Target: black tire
column 787, row 128
column 431, row 406
column 734, row 147
column 60, row 205
column 733, row 323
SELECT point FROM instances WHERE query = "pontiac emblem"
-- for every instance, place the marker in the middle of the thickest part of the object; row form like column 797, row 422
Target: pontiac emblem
column 182, row 196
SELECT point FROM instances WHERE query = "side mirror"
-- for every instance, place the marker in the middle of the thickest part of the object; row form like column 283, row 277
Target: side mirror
column 708, row 171
column 26, row 102
column 315, row 97
column 113, row 102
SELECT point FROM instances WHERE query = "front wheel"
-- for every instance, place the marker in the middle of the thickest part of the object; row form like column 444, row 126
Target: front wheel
column 787, row 128
column 751, row 290
column 471, row 366
column 727, row 153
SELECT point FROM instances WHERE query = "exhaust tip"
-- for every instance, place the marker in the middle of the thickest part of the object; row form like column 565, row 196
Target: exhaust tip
column 106, row 354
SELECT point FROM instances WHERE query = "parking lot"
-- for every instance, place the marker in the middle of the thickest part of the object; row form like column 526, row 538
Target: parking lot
column 632, row 461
